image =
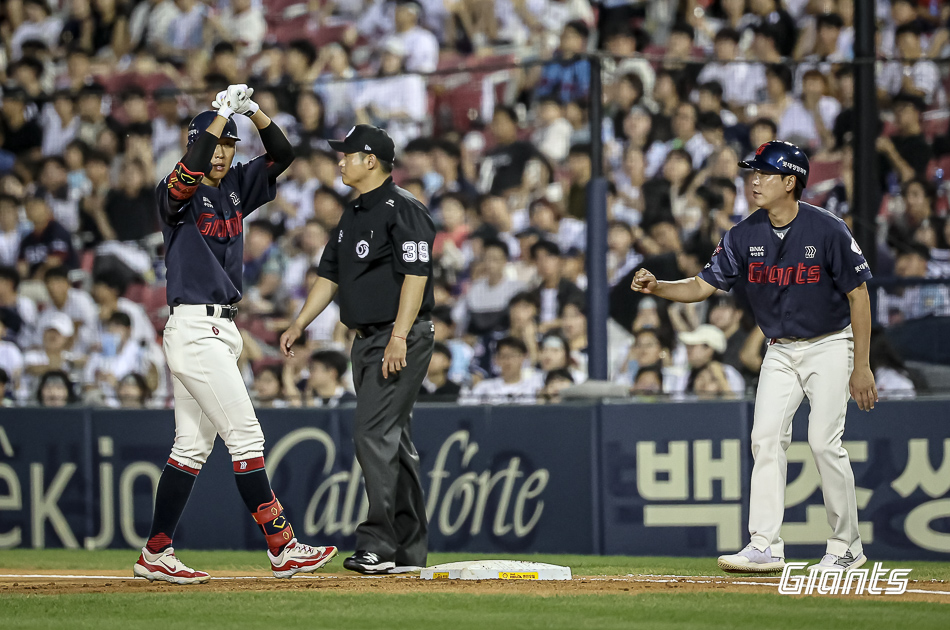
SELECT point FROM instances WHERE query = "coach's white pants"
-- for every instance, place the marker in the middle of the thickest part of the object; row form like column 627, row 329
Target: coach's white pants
column 821, row 370
column 210, row 396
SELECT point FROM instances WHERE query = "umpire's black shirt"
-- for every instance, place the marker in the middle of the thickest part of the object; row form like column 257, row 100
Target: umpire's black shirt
column 383, row 236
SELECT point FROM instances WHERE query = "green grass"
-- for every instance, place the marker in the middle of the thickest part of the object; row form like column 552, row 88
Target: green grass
column 119, row 560
column 322, row 610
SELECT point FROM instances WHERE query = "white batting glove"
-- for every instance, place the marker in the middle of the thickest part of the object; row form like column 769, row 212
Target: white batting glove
column 239, row 96
column 223, row 105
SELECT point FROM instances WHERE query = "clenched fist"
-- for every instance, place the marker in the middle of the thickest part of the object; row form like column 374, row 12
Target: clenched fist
column 643, row 282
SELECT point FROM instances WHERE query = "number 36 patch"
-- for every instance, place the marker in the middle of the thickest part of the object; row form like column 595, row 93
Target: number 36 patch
column 413, row 251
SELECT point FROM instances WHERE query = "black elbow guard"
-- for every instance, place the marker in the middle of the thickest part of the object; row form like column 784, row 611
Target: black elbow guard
column 183, row 183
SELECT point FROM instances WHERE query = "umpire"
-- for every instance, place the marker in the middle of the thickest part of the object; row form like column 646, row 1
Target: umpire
column 378, row 259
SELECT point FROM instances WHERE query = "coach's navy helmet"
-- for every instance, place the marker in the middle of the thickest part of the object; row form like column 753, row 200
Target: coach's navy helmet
column 203, row 120
column 782, row 157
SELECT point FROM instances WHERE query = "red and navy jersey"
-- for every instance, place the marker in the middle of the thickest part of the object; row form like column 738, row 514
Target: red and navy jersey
column 204, row 239
column 797, row 286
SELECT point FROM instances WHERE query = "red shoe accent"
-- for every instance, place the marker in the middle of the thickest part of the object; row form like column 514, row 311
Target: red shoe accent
column 299, row 558
column 168, row 568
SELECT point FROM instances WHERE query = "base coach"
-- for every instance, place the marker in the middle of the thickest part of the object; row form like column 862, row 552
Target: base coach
column 378, row 260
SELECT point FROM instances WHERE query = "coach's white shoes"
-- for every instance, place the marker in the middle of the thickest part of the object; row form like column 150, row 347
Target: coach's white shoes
column 165, row 566
column 299, row 558
column 751, row 560
column 831, row 562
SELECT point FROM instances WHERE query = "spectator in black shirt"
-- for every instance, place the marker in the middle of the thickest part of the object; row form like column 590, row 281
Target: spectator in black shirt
column 21, row 137
column 446, row 161
column 772, row 13
column 907, row 152
column 325, row 385
column 437, row 387
column 503, row 167
column 130, row 209
column 48, row 245
column 554, row 291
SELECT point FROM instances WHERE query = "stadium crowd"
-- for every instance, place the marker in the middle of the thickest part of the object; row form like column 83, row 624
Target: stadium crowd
column 488, row 102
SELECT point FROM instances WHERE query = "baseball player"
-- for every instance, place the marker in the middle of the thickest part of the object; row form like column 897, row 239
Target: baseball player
column 378, row 259
column 804, row 276
column 203, row 203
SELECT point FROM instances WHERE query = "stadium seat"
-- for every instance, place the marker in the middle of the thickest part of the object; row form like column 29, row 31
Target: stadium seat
column 935, row 123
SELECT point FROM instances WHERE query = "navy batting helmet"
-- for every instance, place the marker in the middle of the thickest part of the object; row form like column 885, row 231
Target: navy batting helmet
column 782, row 157
column 203, row 120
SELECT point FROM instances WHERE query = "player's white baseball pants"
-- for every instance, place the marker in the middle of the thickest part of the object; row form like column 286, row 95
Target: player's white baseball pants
column 210, row 396
column 820, row 369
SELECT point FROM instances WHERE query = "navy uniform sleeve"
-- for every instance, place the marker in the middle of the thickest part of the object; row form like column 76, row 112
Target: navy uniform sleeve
column 846, row 262
column 172, row 213
column 329, row 266
column 412, row 234
column 255, row 186
column 725, row 267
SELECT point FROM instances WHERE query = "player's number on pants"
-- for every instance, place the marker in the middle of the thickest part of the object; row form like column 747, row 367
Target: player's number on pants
column 412, row 251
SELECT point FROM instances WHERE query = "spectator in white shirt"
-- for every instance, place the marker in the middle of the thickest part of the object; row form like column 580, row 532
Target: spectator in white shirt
column 149, row 22
column 39, row 24
column 107, row 290
column 422, row 47
column 241, row 24
column 120, row 356
column 393, row 100
column 60, row 123
column 702, row 347
column 685, row 135
column 552, row 135
column 76, row 304
column 516, row 385
column 793, row 119
column 11, row 358
column 10, row 233
column 484, row 308
column 56, row 331
column 742, row 81
column 186, row 30
column 913, row 74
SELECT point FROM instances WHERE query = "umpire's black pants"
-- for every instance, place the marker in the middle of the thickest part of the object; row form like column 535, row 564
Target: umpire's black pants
column 395, row 527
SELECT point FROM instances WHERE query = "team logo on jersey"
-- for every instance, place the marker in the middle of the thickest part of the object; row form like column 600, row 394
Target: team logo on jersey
column 757, row 250
column 362, row 249
column 810, row 251
column 208, row 203
column 855, row 248
column 339, row 239
column 391, row 203
column 235, row 199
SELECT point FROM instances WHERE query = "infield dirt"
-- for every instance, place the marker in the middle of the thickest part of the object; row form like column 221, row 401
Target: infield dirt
column 51, row 582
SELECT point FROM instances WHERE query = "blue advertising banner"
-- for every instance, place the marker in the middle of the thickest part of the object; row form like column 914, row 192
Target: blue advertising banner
column 637, row 479
column 673, row 478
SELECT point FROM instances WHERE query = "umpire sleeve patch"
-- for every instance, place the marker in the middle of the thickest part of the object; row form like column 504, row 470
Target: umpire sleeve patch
column 183, row 183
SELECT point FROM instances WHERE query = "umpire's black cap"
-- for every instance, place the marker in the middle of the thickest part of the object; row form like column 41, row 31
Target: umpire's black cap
column 367, row 139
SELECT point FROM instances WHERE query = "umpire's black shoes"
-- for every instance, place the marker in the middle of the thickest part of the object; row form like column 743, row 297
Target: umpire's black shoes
column 368, row 563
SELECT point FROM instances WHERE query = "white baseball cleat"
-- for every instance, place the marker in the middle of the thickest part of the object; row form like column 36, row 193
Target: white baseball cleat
column 165, row 566
column 299, row 558
column 831, row 562
column 751, row 560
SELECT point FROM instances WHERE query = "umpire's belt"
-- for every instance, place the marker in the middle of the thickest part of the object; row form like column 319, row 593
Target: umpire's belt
column 371, row 329
column 211, row 310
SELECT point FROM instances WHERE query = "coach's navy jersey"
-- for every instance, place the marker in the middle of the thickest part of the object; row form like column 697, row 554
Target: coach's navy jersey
column 797, row 286
column 204, row 240
column 383, row 236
